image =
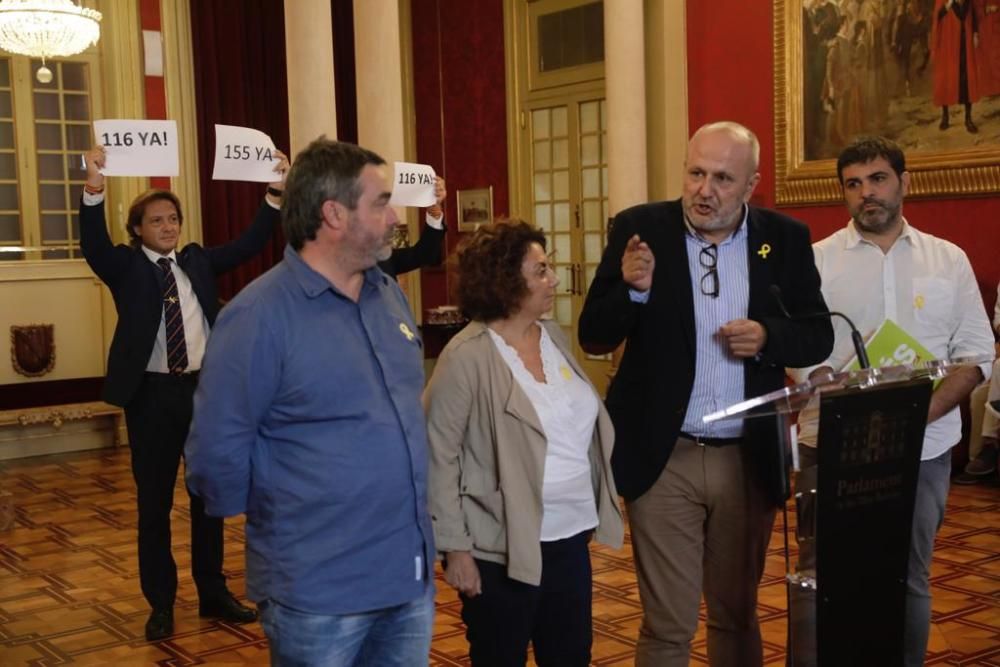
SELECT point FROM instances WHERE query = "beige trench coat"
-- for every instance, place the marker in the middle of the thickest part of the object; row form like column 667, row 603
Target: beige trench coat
column 487, row 457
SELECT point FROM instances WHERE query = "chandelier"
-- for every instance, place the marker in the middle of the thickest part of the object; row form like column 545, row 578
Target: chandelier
column 47, row 29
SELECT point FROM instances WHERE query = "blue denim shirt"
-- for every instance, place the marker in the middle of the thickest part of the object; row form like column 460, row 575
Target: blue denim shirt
column 308, row 419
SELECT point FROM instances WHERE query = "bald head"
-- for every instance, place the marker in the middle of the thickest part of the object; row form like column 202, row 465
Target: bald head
column 739, row 134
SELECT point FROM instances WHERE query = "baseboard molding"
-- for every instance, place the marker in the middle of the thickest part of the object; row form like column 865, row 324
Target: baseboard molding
column 60, row 428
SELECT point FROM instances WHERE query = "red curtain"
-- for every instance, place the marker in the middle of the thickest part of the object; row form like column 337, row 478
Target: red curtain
column 240, row 79
column 458, row 75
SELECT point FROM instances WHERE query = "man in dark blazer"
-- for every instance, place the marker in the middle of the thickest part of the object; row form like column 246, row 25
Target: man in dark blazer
column 688, row 284
column 427, row 250
column 167, row 303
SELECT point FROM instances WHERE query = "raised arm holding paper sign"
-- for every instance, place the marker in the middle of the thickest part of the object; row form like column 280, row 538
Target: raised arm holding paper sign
column 427, row 250
column 244, row 154
column 413, row 185
column 138, row 147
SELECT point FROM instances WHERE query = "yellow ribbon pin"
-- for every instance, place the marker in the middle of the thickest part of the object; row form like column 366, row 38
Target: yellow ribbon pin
column 406, row 331
column 918, row 302
column 765, row 250
column 564, row 370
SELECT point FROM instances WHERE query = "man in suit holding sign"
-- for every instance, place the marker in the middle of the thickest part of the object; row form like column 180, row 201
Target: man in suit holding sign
column 427, row 250
column 167, row 303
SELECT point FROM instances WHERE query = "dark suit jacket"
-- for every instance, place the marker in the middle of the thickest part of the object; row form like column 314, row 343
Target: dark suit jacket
column 649, row 396
column 425, row 252
column 136, row 285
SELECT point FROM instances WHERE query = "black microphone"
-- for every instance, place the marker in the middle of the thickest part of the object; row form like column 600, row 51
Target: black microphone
column 859, row 343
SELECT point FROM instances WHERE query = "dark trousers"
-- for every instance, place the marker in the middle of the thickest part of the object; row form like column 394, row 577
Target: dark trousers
column 554, row 616
column 158, row 418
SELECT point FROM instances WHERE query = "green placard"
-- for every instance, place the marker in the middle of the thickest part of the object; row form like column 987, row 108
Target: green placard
column 891, row 345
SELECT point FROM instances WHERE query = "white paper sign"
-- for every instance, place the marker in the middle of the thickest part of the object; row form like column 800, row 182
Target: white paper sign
column 138, row 147
column 244, row 154
column 413, row 185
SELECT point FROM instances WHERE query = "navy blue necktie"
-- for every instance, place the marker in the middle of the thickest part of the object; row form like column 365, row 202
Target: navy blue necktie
column 177, row 356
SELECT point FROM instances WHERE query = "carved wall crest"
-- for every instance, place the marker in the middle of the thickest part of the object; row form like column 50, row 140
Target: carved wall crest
column 32, row 349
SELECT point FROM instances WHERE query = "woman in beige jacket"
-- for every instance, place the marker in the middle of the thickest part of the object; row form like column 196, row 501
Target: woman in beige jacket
column 520, row 473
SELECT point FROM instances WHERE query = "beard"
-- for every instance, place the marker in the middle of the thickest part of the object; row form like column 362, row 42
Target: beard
column 369, row 249
column 879, row 219
column 385, row 252
column 717, row 220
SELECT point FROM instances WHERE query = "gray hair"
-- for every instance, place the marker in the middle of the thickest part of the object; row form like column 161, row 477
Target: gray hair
column 324, row 170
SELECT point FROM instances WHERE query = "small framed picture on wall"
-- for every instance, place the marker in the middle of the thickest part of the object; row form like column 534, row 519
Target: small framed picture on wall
column 475, row 207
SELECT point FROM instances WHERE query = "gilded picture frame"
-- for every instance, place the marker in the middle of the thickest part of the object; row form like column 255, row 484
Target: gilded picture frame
column 475, row 207
column 897, row 97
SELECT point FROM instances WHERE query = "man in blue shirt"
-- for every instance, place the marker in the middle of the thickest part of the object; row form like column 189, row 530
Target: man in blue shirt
column 308, row 419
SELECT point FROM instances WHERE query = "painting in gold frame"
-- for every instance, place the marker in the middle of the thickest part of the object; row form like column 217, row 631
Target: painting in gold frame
column 475, row 207
column 820, row 106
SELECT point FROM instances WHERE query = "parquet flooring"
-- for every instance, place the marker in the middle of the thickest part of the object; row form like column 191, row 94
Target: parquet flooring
column 69, row 588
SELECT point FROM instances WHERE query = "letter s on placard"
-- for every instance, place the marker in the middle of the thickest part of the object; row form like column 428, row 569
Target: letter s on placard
column 904, row 354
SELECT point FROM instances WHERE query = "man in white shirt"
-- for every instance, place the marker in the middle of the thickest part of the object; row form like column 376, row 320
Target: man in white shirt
column 877, row 268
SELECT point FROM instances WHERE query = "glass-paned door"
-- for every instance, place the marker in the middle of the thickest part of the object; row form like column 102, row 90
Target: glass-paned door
column 569, row 202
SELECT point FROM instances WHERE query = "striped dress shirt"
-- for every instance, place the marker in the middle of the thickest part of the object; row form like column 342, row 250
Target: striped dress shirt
column 718, row 375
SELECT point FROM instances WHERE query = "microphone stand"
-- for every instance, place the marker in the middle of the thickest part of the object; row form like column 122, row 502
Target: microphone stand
column 859, row 350
column 859, row 343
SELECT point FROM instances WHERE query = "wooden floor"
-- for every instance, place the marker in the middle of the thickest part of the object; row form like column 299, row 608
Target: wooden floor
column 69, row 587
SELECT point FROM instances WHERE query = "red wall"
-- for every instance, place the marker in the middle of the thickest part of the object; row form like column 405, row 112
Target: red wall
column 156, row 94
column 731, row 77
column 468, row 78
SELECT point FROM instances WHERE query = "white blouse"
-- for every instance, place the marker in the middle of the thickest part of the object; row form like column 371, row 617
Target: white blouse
column 567, row 408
